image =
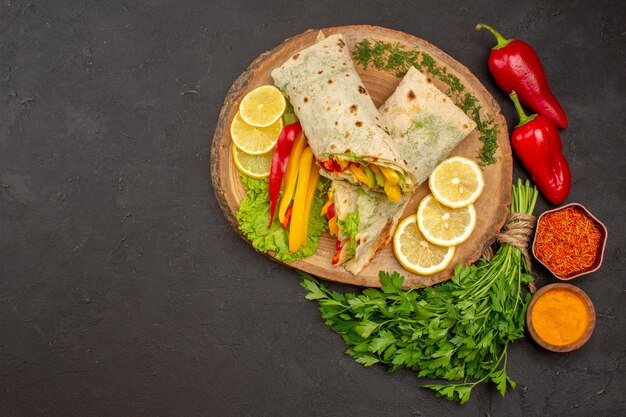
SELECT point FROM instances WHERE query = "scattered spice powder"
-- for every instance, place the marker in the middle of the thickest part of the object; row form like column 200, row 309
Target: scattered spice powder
column 567, row 241
column 560, row 317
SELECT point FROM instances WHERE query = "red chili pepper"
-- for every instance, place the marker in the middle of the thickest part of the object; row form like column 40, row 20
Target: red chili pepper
column 537, row 144
column 279, row 162
column 287, row 216
column 338, row 246
column 516, row 67
column 331, row 211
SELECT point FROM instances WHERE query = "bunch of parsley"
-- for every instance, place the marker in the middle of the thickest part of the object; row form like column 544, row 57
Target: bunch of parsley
column 457, row 331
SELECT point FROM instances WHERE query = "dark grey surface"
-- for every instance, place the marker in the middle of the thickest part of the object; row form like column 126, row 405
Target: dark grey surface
column 124, row 292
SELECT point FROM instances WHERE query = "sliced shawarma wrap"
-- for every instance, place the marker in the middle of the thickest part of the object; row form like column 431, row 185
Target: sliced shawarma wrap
column 426, row 126
column 341, row 123
column 424, row 123
column 366, row 222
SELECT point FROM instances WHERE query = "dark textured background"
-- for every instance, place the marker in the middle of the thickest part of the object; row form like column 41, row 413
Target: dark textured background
column 124, row 292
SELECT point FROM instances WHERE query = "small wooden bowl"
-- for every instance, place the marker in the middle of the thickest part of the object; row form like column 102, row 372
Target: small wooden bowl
column 574, row 345
column 599, row 253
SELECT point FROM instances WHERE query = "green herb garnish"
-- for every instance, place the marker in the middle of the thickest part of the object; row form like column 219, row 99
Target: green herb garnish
column 349, row 227
column 394, row 57
column 456, row 331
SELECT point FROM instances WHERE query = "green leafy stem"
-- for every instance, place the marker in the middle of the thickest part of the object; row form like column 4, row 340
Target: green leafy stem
column 396, row 58
column 458, row 331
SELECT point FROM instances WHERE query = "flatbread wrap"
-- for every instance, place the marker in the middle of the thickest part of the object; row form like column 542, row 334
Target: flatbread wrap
column 342, row 125
column 425, row 124
column 365, row 222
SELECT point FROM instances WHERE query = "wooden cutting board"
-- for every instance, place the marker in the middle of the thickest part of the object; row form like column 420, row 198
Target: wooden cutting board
column 491, row 207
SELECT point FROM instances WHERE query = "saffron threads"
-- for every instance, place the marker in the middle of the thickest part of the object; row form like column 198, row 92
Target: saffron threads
column 567, row 241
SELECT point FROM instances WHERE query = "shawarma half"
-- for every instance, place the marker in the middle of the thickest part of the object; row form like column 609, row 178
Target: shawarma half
column 424, row 123
column 426, row 126
column 342, row 125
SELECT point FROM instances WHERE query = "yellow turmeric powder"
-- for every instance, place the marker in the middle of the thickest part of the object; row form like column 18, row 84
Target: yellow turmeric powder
column 560, row 317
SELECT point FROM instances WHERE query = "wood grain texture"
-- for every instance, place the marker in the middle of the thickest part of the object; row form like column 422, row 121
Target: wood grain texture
column 491, row 207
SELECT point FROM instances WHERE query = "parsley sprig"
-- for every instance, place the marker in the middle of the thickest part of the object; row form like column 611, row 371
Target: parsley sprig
column 395, row 58
column 457, row 331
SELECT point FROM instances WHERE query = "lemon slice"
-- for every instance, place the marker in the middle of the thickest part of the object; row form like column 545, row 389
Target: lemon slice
column 262, row 106
column 443, row 225
column 254, row 140
column 457, row 182
column 255, row 166
column 415, row 253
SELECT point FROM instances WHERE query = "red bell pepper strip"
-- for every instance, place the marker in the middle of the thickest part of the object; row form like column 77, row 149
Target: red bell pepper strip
column 279, row 162
column 331, row 211
column 516, row 67
column 331, row 165
column 287, row 216
column 328, row 165
column 537, row 144
column 326, row 206
column 338, row 246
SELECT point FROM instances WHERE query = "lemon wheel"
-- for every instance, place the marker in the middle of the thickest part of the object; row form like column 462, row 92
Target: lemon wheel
column 456, row 182
column 254, row 140
column 255, row 166
column 415, row 253
column 443, row 225
column 262, row 106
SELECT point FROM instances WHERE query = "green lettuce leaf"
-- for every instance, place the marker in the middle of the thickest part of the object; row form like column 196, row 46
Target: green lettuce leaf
column 254, row 214
column 349, row 227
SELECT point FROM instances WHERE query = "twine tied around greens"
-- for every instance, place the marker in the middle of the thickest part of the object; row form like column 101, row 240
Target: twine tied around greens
column 516, row 232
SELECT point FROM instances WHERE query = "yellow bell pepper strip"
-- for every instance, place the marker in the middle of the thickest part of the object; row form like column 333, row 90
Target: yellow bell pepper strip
column 333, row 229
column 291, row 175
column 329, row 211
column 370, row 177
column 358, row 173
column 314, row 178
column 296, row 229
column 328, row 203
column 380, row 178
column 343, row 164
column 391, row 176
column 393, row 192
column 287, row 217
